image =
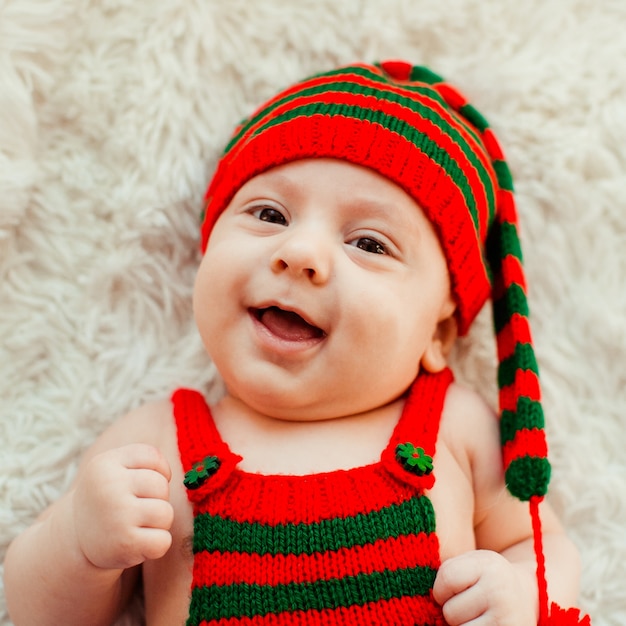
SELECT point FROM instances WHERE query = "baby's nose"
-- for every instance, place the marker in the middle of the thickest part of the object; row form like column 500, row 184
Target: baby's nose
column 305, row 253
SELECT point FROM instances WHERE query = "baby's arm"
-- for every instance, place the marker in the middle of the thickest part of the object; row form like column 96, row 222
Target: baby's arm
column 496, row 583
column 78, row 563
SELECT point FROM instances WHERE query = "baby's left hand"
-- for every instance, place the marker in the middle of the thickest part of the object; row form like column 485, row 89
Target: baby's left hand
column 482, row 588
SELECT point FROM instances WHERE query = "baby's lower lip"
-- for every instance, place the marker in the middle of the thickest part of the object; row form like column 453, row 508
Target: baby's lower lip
column 285, row 329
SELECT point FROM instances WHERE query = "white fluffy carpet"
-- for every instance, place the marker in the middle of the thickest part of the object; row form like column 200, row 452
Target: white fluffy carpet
column 112, row 116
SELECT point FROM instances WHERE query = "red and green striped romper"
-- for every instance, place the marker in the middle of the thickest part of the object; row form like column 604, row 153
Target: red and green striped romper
column 345, row 547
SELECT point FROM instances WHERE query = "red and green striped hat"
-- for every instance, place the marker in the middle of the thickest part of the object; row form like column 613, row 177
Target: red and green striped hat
column 406, row 123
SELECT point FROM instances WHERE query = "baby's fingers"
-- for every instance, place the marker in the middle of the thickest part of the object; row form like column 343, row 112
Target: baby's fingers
column 455, row 576
column 154, row 513
column 480, row 588
column 468, row 608
column 138, row 456
column 152, row 543
column 147, row 483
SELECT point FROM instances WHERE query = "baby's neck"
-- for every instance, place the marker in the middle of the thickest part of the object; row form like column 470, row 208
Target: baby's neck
column 278, row 446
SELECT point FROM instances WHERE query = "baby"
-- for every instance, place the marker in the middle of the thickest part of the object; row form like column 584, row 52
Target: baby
column 356, row 224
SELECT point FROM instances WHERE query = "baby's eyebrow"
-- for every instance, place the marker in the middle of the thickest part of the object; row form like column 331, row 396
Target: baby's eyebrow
column 388, row 212
column 374, row 208
column 284, row 183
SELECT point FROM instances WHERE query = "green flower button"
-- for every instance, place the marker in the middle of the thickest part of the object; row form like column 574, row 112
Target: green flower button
column 414, row 459
column 200, row 472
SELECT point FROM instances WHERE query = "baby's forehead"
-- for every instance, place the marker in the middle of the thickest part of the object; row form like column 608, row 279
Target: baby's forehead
column 358, row 189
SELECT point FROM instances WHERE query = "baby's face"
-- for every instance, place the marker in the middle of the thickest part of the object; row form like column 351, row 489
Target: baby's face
column 321, row 291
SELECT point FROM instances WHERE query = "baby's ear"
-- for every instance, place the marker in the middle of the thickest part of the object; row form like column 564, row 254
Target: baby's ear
column 435, row 358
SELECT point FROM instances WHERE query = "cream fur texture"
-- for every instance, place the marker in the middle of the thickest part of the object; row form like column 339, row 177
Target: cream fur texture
column 112, row 116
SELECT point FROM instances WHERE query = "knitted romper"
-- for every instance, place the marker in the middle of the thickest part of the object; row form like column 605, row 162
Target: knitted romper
column 345, row 547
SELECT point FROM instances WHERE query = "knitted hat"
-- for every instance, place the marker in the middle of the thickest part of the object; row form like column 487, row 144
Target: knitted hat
column 409, row 125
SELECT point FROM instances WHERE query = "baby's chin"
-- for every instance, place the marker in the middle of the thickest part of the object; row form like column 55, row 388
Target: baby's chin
column 281, row 406
column 313, row 407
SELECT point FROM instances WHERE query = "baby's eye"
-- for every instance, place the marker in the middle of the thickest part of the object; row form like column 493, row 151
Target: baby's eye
column 367, row 244
column 270, row 214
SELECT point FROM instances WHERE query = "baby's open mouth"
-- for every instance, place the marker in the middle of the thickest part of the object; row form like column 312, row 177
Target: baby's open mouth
column 287, row 325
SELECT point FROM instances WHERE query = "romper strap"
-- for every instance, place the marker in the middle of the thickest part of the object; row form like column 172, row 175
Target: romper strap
column 200, row 445
column 413, row 444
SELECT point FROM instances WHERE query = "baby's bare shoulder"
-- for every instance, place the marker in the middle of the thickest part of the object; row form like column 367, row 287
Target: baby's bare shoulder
column 471, row 428
column 462, row 397
column 468, row 424
column 151, row 423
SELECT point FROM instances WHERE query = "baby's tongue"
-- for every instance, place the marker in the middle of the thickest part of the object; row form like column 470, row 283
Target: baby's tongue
column 288, row 325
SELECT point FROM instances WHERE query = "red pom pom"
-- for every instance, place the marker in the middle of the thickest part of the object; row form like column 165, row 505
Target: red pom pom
column 565, row 617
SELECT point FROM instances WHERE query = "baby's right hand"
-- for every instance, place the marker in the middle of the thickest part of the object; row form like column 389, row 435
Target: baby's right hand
column 122, row 512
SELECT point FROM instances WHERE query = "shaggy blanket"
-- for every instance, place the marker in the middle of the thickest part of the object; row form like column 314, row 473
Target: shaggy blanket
column 112, row 116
